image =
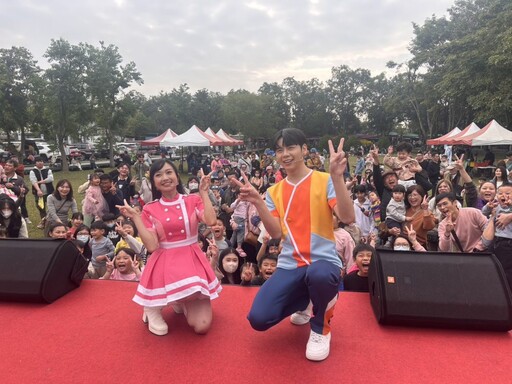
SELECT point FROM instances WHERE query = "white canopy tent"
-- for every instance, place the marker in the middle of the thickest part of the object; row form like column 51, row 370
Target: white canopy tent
column 194, row 137
column 492, row 134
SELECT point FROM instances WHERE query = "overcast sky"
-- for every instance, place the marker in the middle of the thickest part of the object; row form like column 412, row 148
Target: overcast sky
column 224, row 44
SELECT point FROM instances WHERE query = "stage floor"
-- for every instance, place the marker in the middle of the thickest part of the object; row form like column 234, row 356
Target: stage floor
column 95, row 335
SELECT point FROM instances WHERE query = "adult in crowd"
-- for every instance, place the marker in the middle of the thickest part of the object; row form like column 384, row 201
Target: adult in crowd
column 228, row 198
column 500, row 176
column 486, row 194
column 11, row 220
column 60, row 203
column 41, row 178
column 111, row 194
column 461, row 227
column 14, row 182
column 434, row 169
column 139, row 168
column 417, row 208
column 124, row 182
column 385, row 182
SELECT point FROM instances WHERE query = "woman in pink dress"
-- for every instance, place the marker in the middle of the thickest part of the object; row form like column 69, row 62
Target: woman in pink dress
column 177, row 272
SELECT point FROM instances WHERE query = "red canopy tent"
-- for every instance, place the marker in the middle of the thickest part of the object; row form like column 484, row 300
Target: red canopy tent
column 162, row 140
column 492, row 134
column 437, row 140
column 470, row 129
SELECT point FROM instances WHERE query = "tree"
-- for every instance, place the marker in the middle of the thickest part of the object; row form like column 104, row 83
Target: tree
column 64, row 98
column 106, row 80
column 247, row 113
column 347, row 90
column 19, row 85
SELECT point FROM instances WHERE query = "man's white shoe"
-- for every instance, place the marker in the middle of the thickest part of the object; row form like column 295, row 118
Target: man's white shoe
column 318, row 346
column 300, row 317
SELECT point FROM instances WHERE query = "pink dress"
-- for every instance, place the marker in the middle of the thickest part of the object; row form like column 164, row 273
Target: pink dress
column 178, row 268
column 93, row 194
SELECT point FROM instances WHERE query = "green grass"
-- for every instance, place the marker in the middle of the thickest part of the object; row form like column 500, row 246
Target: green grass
column 76, row 179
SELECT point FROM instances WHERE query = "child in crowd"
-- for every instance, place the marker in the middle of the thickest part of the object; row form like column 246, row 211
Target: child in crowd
column 109, row 220
column 130, row 239
column 219, row 231
column 344, row 244
column 267, row 266
column 268, row 245
column 124, row 266
column 94, row 205
column 238, row 224
column 375, row 210
column 77, row 219
column 403, row 164
column 249, row 272
column 57, row 231
column 362, row 211
column 230, row 265
column 395, row 211
column 102, row 249
column 357, row 281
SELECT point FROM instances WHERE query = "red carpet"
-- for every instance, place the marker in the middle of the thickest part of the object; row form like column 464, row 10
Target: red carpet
column 95, row 335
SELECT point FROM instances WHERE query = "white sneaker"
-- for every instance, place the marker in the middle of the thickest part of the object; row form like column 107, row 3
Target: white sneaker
column 318, row 346
column 300, row 317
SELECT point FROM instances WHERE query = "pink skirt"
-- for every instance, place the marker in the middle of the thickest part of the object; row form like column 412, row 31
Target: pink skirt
column 174, row 274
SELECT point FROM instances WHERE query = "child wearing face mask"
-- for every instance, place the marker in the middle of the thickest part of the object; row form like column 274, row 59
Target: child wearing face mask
column 11, row 219
column 124, row 266
column 230, row 265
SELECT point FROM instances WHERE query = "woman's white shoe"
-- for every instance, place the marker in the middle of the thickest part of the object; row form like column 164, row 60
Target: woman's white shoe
column 156, row 323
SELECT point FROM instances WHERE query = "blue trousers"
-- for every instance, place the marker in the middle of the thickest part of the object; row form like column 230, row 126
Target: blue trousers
column 289, row 291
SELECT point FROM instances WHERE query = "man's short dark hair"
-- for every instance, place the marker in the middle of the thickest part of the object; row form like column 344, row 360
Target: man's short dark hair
column 404, row 146
column 105, row 176
column 38, row 158
column 450, row 195
column 290, row 136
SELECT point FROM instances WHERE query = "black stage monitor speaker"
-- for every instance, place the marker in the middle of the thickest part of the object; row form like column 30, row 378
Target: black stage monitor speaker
column 39, row 270
column 440, row 289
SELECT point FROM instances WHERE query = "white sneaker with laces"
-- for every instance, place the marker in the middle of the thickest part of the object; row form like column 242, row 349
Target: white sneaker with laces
column 318, row 346
column 300, row 317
